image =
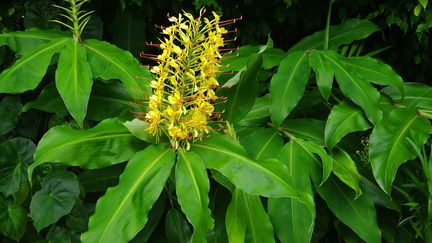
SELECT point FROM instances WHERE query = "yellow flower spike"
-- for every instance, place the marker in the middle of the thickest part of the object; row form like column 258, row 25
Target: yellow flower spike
column 182, row 104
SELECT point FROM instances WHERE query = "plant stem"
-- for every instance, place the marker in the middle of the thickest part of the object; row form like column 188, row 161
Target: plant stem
column 327, row 29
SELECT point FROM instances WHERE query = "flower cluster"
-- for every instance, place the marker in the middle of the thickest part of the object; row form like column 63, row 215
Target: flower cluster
column 182, row 104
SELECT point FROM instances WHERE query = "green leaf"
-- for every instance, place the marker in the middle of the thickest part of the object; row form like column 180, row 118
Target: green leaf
column 293, row 220
column 344, row 118
column 417, row 95
column 263, row 143
column 123, row 211
column 272, row 58
column 15, row 155
column 234, row 220
column 374, row 71
column 112, row 95
column 241, row 98
column 345, row 169
column 358, row 89
column 138, row 128
column 176, row 226
column 13, row 220
column 267, row 178
column 56, row 198
column 417, row 10
column 10, row 109
column 288, row 85
column 252, row 216
column 74, row 79
column 107, row 143
column 327, row 161
column 307, row 129
column 98, row 180
column 192, row 189
column 49, row 100
column 345, row 33
column 27, row 72
column 389, row 147
column 24, row 42
column 109, row 62
column 259, row 114
column 423, row 3
column 324, row 74
column 357, row 213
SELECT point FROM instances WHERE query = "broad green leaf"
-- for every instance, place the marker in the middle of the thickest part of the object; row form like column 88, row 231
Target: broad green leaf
column 267, row 178
column 234, row 220
column 109, row 62
column 307, row 129
column 389, row 147
column 98, row 180
column 24, row 42
column 59, row 234
column 123, row 211
column 288, row 85
column 10, row 109
column 192, row 189
column 55, row 199
column 293, row 220
column 263, row 143
column 15, row 155
column 74, row 79
column 345, row 169
column 324, row 74
column 112, row 95
column 49, row 100
column 13, row 220
column 252, row 216
column 27, row 72
column 176, row 227
column 259, row 114
column 107, row 143
column 358, row 89
column 272, row 57
column 345, row 33
column 357, row 213
column 417, row 95
column 374, row 71
column 327, row 161
column 378, row 196
column 241, row 97
column 344, row 118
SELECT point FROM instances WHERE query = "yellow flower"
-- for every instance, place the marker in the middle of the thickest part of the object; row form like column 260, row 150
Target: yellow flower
column 182, row 104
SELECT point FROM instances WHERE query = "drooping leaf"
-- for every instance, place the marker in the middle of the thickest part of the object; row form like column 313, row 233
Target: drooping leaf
column 109, row 62
column 251, row 217
column 241, row 97
column 267, row 178
column 24, row 42
column 357, row 213
column 192, row 189
column 49, row 100
column 27, row 72
column 13, row 219
column 345, row 33
column 417, row 95
column 327, row 160
column 259, row 114
column 389, row 147
column 10, row 109
column 355, row 87
column 293, row 220
column 56, row 198
column 345, row 169
column 74, row 79
column 263, row 143
column 344, row 118
column 288, row 85
column 105, row 144
column 123, row 211
column 15, row 155
column 324, row 74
